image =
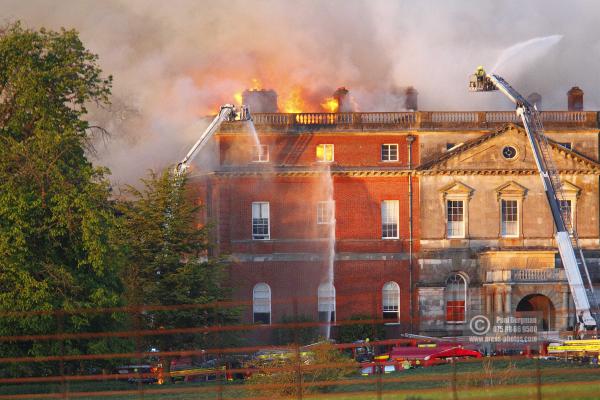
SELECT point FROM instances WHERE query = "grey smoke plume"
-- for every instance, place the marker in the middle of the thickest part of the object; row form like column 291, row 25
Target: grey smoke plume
column 174, row 62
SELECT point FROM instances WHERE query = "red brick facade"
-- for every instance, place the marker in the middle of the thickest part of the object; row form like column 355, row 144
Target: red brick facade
column 294, row 261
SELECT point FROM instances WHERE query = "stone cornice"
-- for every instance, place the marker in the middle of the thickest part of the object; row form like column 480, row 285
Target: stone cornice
column 313, row 172
column 503, row 172
column 365, row 173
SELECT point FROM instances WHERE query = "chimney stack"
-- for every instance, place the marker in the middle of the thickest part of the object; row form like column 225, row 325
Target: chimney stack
column 411, row 100
column 575, row 99
column 535, row 99
column 260, row 100
column 342, row 96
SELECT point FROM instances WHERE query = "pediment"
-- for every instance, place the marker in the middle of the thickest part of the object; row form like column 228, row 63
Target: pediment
column 506, row 151
column 570, row 190
column 511, row 189
column 456, row 189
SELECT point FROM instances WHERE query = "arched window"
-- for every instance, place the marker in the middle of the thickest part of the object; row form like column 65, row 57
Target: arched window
column 326, row 302
column 456, row 298
column 261, row 303
column 390, row 300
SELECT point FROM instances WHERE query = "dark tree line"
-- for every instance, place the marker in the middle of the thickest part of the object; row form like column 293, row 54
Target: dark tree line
column 65, row 242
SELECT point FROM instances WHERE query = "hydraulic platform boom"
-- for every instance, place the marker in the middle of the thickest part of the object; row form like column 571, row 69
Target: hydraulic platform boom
column 226, row 113
column 566, row 236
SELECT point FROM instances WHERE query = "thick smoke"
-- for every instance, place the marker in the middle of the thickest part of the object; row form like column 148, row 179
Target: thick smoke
column 174, row 62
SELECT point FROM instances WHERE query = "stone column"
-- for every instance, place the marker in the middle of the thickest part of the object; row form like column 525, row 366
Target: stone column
column 489, row 299
column 563, row 317
column 498, row 305
column 508, row 300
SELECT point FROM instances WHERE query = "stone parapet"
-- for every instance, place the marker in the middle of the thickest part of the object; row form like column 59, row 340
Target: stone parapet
column 541, row 275
column 418, row 120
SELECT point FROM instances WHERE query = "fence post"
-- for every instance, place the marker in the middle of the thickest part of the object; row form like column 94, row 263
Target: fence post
column 297, row 350
column 454, row 381
column 61, row 365
column 137, row 326
column 219, row 373
column 538, row 378
column 374, row 319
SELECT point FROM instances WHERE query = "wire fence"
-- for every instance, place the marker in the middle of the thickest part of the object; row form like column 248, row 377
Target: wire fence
column 370, row 358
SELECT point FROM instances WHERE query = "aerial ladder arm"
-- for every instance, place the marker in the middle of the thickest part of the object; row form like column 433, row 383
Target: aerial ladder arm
column 566, row 237
column 227, row 112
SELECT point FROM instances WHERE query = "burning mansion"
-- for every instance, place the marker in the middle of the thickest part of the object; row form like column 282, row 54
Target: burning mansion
column 416, row 219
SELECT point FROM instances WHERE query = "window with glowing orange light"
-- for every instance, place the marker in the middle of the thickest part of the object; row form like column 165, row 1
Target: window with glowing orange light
column 456, row 298
column 325, row 152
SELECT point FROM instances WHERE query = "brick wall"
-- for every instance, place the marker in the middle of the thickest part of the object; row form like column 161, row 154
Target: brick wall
column 294, row 261
column 350, row 149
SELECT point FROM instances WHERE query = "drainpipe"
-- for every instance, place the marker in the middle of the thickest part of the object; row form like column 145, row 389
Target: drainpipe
column 410, row 139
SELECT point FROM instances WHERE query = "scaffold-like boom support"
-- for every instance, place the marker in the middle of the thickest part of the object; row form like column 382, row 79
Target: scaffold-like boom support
column 571, row 254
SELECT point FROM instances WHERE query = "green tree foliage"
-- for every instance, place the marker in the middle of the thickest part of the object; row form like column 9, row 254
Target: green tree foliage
column 319, row 369
column 55, row 215
column 349, row 333
column 167, row 264
column 296, row 334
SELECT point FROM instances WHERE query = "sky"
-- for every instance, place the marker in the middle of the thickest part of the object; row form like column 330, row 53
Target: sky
column 175, row 62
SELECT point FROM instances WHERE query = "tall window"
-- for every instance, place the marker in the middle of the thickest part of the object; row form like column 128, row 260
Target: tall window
column 260, row 220
column 455, row 214
column 261, row 303
column 325, row 212
column 510, row 218
column 389, row 219
column 326, row 302
column 456, row 298
column 389, row 152
column 325, row 152
column 567, row 211
column 455, row 200
column 260, row 153
column 390, row 300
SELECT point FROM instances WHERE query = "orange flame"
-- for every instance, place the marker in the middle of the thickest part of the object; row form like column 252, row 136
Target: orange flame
column 294, row 102
column 330, row 105
column 237, row 97
column 256, row 84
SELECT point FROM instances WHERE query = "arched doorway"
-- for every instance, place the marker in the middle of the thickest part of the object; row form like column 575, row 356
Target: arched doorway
column 540, row 306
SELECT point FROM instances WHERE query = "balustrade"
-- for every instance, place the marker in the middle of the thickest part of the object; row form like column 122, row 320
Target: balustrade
column 526, row 275
column 423, row 119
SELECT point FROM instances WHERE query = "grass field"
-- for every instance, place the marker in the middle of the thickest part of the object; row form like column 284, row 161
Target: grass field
column 491, row 379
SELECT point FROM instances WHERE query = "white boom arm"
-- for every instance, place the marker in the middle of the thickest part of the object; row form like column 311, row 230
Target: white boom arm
column 226, row 113
column 573, row 262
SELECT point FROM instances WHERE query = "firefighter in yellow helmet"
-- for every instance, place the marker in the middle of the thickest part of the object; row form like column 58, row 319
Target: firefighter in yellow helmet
column 480, row 72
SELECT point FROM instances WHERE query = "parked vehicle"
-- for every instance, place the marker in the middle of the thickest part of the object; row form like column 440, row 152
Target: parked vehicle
column 424, row 355
column 143, row 373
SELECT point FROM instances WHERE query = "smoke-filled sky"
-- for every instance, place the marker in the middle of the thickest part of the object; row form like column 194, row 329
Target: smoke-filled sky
column 175, row 61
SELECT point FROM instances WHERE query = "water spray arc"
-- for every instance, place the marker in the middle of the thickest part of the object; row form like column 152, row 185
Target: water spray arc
column 532, row 48
column 330, row 255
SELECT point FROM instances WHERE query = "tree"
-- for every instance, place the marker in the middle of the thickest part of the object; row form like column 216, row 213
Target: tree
column 167, row 264
column 302, row 371
column 360, row 331
column 56, row 219
column 300, row 335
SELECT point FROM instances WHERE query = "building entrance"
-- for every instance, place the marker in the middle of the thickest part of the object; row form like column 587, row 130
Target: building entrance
column 542, row 307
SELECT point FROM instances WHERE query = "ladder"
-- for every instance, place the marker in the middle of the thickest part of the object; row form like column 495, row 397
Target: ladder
column 586, row 302
column 565, row 213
